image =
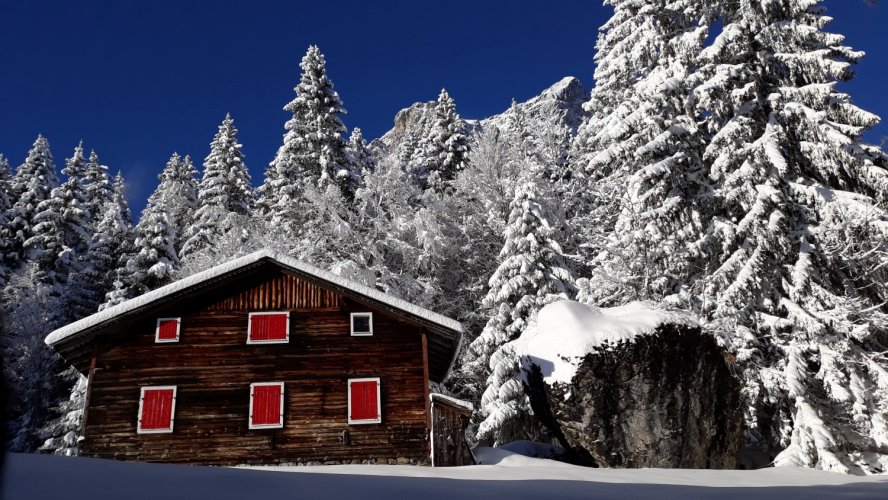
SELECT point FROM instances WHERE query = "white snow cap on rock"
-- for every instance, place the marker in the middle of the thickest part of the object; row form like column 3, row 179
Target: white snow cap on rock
column 565, row 331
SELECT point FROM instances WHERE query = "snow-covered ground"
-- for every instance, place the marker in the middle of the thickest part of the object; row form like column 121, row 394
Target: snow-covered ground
column 504, row 475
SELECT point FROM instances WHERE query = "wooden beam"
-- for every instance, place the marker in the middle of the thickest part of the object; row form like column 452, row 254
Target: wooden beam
column 89, row 386
column 425, row 386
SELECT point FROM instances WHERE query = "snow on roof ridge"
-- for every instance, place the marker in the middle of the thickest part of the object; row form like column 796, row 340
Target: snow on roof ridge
column 238, row 263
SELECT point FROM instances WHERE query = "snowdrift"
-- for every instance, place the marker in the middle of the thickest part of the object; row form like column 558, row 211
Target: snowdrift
column 566, row 331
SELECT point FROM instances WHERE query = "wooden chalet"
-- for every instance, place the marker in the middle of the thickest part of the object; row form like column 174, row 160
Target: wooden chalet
column 267, row 360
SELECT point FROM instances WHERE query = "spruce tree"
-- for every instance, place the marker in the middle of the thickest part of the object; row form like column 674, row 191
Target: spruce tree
column 154, row 259
column 110, row 246
column 61, row 231
column 794, row 254
column 313, row 152
column 359, row 158
column 224, row 193
column 32, row 308
column 176, row 196
column 33, row 183
column 98, row 188
column 7, row 259
column 628, row 48
column 532, row 273
column 170, row 208
column 445, row 148
column 648, row 166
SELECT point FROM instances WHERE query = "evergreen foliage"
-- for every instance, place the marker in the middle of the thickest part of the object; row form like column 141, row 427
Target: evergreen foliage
column 532, row 273
column 225, row 193
column 313, row 152
column 445, row 147
column 33, row 183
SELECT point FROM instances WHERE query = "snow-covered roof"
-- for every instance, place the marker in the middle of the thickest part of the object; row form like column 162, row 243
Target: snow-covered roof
column 194, row 280
column 459, row 403
column 565, row 331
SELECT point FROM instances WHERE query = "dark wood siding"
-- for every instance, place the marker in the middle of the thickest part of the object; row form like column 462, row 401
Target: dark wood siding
column 213, row 367
column 449, row 427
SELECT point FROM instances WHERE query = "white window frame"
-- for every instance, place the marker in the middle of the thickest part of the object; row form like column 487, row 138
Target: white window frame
column 352, row 324
column 267, row 313
column 280, row 424
column 158, row 340
column 378, row 419
column 139, row 429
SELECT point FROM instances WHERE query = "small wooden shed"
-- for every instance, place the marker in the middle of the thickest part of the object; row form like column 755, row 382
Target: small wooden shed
column 267, row 360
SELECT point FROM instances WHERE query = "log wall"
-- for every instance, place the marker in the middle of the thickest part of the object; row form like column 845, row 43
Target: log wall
column 213, row 367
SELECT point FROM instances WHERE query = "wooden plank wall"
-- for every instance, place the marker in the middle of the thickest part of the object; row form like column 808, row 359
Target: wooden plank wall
column 212, row 366
column 282, row 291
column 449, row 427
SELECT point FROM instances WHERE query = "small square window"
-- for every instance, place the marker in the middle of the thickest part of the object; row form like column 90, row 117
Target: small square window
column 167, row 330
column 361, row 324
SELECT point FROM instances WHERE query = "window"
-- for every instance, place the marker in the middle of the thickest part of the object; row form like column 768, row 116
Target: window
column 167, row 330
column 361, row 324
column 268, row 328
column 267, row 405
column 364, row 401
column 157, row 409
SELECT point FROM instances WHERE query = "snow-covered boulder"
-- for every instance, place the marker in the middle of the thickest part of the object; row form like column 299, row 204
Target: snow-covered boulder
column 633, row 386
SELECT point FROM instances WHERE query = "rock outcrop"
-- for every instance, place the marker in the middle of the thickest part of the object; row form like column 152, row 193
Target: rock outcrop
column 567, row 95
column 664, row 399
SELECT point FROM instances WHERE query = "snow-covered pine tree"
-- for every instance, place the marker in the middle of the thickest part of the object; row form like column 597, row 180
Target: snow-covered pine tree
column 313, row 151
column 627, row 49
column 170, row 208
column 445, row 147
column 553, row 141
column 649, row 165
column 177, row 195
column 62, row 433
column 99, row 190
column 154, row 260
column 118, row 196
column 532, row 273
column 32, row 309
column 110, row 246
column 795, row 253
column 6, row 230
column 61, row 232
column 358, row 156
column 225, row 193
column 33, row 183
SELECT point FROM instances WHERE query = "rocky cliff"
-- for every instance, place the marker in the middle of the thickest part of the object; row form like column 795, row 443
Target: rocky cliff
column 567, row 96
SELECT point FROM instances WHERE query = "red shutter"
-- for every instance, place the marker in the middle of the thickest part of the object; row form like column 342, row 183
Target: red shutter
column 157, row 409
column 364, row 400
column 268, row 327
column 266, row 405
column 167, row 329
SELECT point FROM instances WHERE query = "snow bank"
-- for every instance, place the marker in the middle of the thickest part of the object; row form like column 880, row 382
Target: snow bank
column 72, row 478
column 565, row 331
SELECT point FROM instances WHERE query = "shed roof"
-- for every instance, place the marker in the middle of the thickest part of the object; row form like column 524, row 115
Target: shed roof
column 78, row 332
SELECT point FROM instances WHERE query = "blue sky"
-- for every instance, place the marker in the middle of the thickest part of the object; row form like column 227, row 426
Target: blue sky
column 137, row 80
